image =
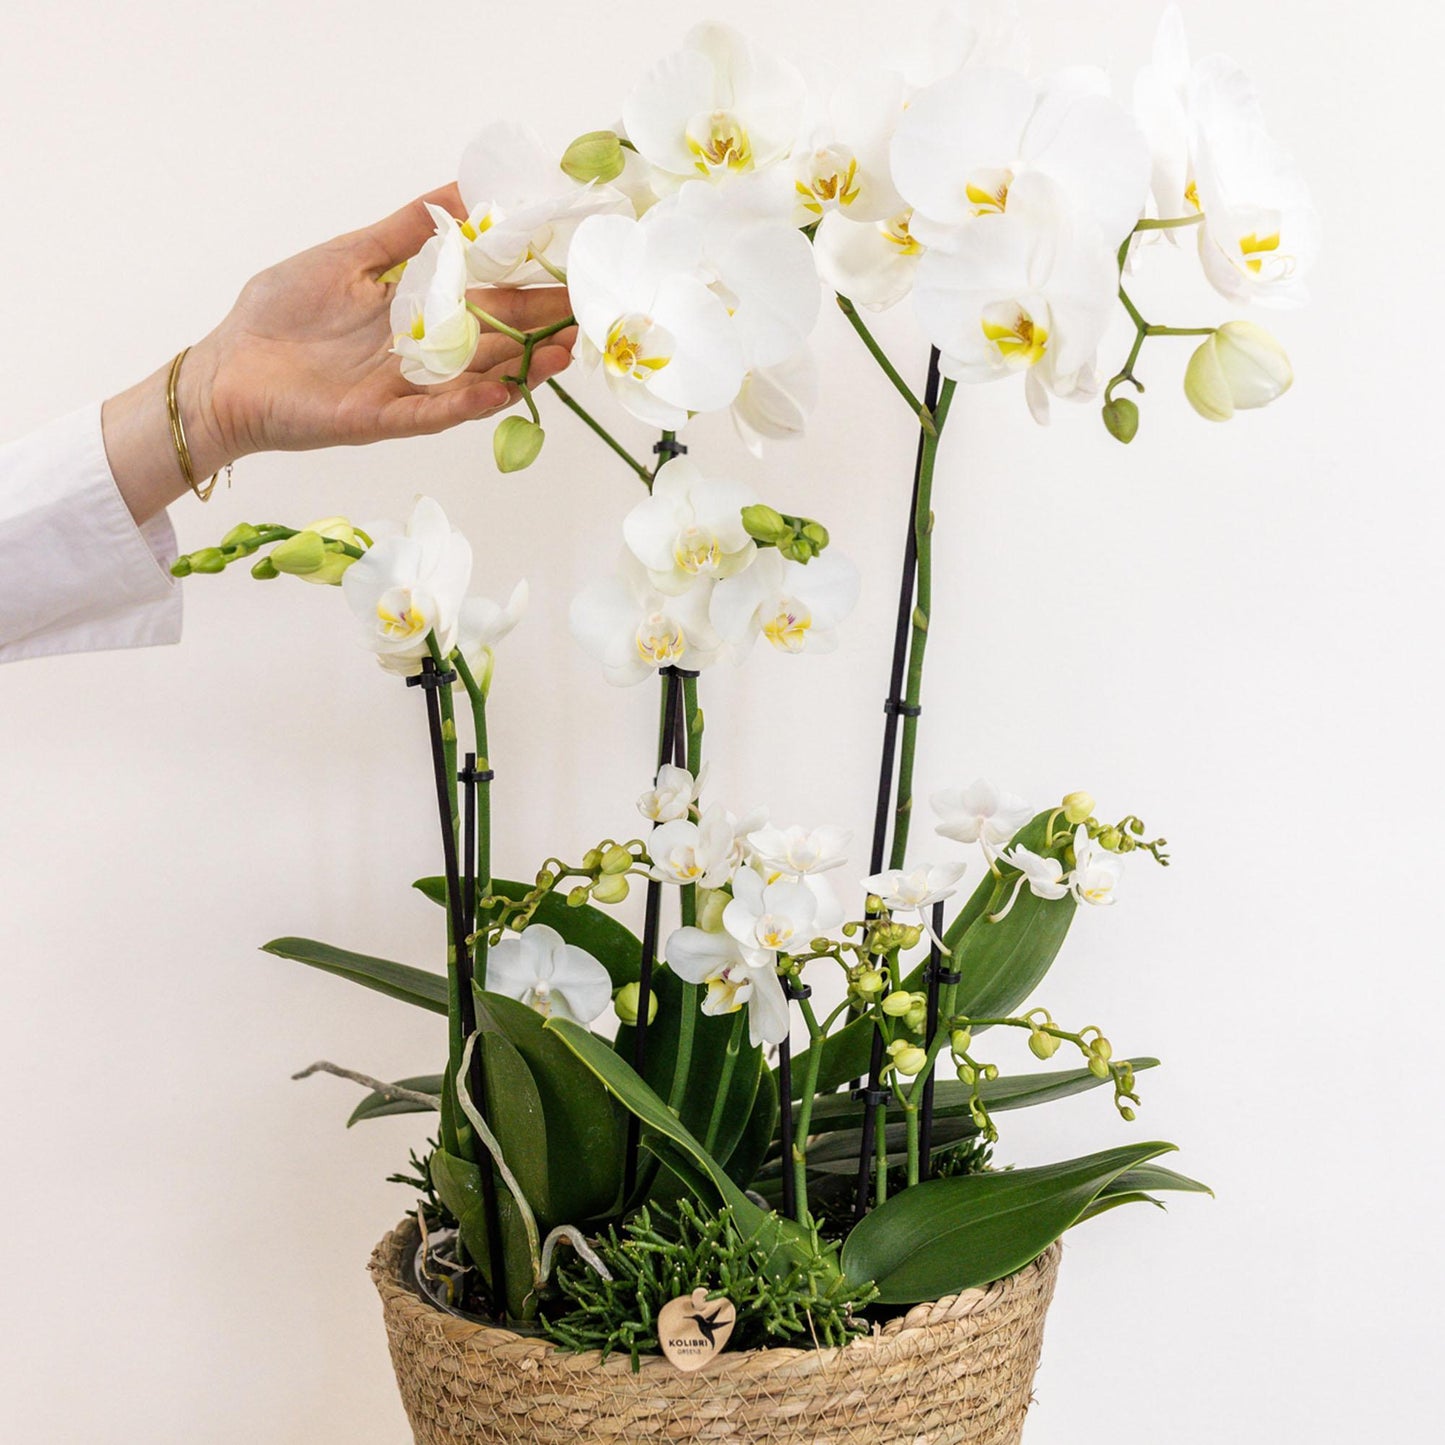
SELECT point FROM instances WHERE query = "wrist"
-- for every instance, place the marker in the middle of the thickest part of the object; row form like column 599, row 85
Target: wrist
column 212, row 439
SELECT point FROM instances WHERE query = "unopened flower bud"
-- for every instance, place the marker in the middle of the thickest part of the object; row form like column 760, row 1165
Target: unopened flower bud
column 1042, row 1045
column 1110, row 838
column 627, row 1000
column 990, row 1072
column 517, row 443
column 909, row 935
column 710, row 905
column 1098, row 1067
column 1078, row 807
column 592, row 860
column 299, row 555
column 817, row 534
column 616, row 860
column 961, row 1039
column 264, row 570
column 897, row 1004
column 1239, row 368
column 1127, row 1114
column 917, row 1016
column 1102, row 1048
column 578, row 896
column 545, row 878
column 596, row 156
column 765, row 525
column 1121, row 419
column 868, row 983
column 967, row 1074
column 181, row 567
column 610, row 888
column 243, row 538
column 908, row 1058
column 208, row 559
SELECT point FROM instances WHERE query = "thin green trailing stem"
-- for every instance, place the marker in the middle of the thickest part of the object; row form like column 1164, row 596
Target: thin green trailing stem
column 643, row 473
column 920, row 412
column 918, row 642
column 816, row 1035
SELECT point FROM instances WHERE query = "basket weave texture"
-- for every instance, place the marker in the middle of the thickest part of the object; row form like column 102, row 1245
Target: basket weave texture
column 955, row 1372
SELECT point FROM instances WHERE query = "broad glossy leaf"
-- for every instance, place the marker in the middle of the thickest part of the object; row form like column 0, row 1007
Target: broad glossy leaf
column 951, row 1234
column 458, row 1184
column 378, row 1106
column 709, row 1049
column 743, row 1162
column 611, row 943
column 585, row 1130
column 786, row 1238
column 395, row 980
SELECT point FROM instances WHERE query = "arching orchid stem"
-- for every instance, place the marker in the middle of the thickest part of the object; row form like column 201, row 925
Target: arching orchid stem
column 925, row 1115
column 644, row 474
column 922, row 410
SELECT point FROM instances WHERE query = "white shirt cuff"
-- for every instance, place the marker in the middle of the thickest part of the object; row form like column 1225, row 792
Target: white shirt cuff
column 76, row 572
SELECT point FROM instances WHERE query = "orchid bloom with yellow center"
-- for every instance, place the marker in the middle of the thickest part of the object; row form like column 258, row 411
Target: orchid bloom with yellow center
column 433, row 332
column 554, row 977
column 796, row 607
column 690, row 528
column 734, row 979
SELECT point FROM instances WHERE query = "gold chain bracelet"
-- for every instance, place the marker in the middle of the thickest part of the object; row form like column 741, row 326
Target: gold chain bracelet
column 178, row 435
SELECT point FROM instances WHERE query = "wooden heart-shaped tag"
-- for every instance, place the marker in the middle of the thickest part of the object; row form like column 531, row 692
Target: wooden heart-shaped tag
column 694, row 1328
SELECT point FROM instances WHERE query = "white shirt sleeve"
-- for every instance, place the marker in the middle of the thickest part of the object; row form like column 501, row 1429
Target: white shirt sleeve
column 76, row 573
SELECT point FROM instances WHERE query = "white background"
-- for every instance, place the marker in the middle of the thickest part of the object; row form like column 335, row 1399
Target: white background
column 1232, row 630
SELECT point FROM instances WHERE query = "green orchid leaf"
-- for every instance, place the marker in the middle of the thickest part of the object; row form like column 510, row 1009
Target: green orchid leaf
column 1105, row 1202
column 752, row 1146
column 395, row 980
column 1002, row 963
column 379, row 1106
column 949, row 1235
column 611, row 943
column 711, row 1034
column 458, row 1183
column 585, row 1130
column 788, row 1240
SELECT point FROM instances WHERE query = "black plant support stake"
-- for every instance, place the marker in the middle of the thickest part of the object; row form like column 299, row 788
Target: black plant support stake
column 430, row 680
column 936, row 978
column 672, row 743
column 874, row 1095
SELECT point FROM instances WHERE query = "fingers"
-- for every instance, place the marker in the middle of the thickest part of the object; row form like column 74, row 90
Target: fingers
column 403, row 233
column 524, row 308
column 471, row 398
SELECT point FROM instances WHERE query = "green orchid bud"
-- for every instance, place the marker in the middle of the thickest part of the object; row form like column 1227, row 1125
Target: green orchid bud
column 592, row 860
column 967, row 1074
column 1098, row 1067
column 867, row 983
column 766, row 526
column 1102, row 1048
column 897, row 1004
column 1121, row 419
column 817, row 534
column 578, row 896
column 208, row 559
column 181, row 567
column 243, row 538
column 1042, row 1045
column 961, row 1039
column 710, row 905
column 1078, row 807
column 626, row 1003
column 1110, row 838
column 1127, row 1114
column 911, row 1060
column 909, row 935
column 797, row 549
column 517, row 443
column 264, row 570
column 610, row 889
column 299, row 555
column 616, row 859
column 545, row 876
column 595, row 156
column 917, row 1017
column 990, row 1072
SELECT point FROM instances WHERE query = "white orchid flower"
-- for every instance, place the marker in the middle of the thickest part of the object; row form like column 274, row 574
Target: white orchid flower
column 433, row 332
column 1096, row 872
column 666, row 344
column 521, row 206
column 905, row 890
column 775, row 401
column 1032, row 291
column 542, row 970
column 717, row 108
column 482, row 624
column 964, row 144
column 634, row 630
column 979, row 812
column 684, row 852
column 410, row 585
column 1212, row 153
column 844, row 168
column 673, row 795
column 873, row 264
column 1044, row 876
column 1261, row 232
column 767, row 918
column 963, row 33
column 690, row 528
column 733, row 980
column 755, row 261
column 796, row 851
column 796, row 607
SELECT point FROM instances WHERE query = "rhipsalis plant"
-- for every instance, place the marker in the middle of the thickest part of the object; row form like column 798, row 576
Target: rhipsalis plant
column 799, row 1043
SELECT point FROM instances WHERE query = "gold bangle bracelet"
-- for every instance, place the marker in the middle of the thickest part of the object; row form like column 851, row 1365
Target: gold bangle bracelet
column 178, row 433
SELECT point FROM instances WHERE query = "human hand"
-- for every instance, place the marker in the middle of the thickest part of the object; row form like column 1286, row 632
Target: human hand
column 304, row 358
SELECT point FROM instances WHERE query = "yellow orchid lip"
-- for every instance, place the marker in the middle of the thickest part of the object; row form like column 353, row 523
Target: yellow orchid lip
column 789, row 629
column 627, row 351
column 1020, row 340
column 722, row 143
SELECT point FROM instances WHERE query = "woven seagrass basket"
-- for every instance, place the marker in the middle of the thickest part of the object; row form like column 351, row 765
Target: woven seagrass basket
column 956, row 1372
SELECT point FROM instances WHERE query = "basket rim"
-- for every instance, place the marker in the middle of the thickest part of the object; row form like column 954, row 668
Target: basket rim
column 385, row 1268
